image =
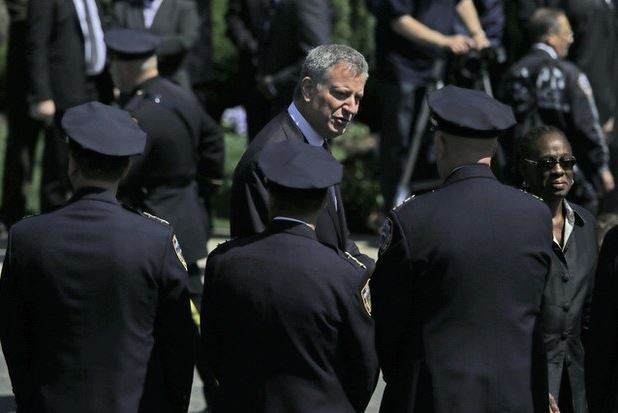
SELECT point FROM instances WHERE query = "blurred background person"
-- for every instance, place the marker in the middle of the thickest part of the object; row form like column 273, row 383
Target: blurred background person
column 66, row 62
column 411, row 37
column 184, row 150
column 593, row 23
column 546, row 162
column 22, row 130
column 543, row 88
column 272, row 38
column 177, row 24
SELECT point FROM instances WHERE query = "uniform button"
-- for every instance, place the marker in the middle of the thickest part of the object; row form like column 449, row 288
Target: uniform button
column 565, row 277
column 566, row 307
column 564, row 336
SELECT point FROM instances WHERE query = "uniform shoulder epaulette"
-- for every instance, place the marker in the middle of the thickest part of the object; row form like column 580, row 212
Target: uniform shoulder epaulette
column 352, row 258
column 29, row 216
column 405, row 201
column 155, row 218
column 145, row 214
column 531, row 194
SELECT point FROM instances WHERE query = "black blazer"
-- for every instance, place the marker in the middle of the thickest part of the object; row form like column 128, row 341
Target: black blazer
column 601, row 342
column 284, row 325
column 86, row 292
column 457, row 292
column 176, row 23
column 55, row 44
column 249, row 201
column 566, row 306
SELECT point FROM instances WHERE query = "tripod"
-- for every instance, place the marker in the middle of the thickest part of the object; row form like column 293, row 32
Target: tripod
column 482, row 82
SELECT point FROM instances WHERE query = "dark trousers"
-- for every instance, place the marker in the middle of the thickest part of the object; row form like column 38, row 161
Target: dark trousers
column 22, row 133
column 399, row 106
column 55, row 185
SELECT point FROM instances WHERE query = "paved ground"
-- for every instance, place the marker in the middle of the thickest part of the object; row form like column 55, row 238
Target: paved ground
column 367, row 245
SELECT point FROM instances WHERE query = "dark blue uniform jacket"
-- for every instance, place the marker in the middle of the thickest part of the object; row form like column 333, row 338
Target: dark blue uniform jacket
column 457, row 292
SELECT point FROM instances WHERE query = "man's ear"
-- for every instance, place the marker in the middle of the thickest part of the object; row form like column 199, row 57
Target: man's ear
column 307, row 86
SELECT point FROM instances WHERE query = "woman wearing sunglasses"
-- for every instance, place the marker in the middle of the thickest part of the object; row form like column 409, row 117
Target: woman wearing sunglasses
column 546, row 162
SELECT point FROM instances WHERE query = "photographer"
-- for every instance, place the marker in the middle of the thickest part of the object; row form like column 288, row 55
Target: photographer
column 410, row 36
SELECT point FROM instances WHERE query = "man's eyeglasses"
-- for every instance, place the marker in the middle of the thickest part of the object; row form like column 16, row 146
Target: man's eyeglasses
column 547, row 164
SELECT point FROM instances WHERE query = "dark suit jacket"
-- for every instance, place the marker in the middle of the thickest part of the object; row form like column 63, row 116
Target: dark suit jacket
column 292, row 333
column 456, row 293
column 249, row 202
column 86, row 292
column 56, row 54
column 183, row 144
column 601, row 343
column 177, row 24
column 566, row 306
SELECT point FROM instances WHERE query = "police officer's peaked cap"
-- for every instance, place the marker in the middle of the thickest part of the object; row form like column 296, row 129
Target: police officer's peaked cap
column 469, row 113
column 299, row 166
column 131, row 43
column 104, row 129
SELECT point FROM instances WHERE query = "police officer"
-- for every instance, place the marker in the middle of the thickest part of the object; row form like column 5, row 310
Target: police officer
column 184, row 151
column 287, row 319
column 89, row 290
column 458, row 284
column 543, row 88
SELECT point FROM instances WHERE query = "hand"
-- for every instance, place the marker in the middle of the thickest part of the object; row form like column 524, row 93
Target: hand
column 608, row 180
column 608, row 127
column 553, row 406
column 458, row 44
column 43, row 111
column 480, row 41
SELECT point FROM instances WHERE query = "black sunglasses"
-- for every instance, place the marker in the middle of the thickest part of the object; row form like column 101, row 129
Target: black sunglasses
column 547, row 164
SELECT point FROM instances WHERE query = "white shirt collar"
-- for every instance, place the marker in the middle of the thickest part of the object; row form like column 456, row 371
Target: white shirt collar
column 308, row 132
column 150, row 12
column 293, row 220
column 547, row 49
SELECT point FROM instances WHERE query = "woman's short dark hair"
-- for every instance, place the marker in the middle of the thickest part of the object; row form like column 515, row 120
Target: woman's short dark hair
column 525, row 146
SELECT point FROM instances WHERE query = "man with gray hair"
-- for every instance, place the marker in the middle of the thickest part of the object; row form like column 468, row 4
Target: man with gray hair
column 326, row 99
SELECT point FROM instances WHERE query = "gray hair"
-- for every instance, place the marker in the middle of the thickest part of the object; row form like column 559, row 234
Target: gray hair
column 322, row 58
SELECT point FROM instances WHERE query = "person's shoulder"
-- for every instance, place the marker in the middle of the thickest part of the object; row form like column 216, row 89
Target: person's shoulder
column 610, row 241
column 162, row 88
column 271, row 133
column 31, row 224
column 586, row 215
column 517, row 196
column 235, row 245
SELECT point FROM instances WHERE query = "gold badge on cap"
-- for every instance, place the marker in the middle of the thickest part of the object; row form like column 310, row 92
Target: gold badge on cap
column 178, row 251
